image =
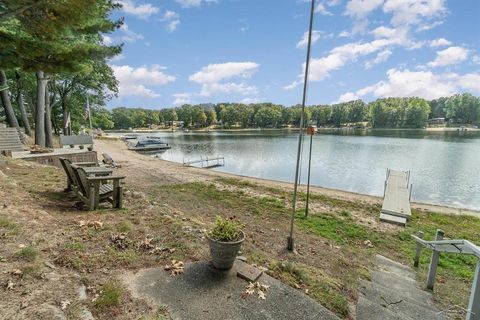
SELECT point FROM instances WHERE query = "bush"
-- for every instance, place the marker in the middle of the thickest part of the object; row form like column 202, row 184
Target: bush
column 226, row 230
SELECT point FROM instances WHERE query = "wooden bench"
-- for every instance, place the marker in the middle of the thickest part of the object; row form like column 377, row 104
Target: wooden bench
column 92, row 190
column 76, row 140
column 67, row 167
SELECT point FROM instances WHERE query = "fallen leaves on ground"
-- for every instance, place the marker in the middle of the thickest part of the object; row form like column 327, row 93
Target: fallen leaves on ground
column 91, row 224
column 368, row 243
column 120, row 241
column 9, row 285
column 261, row 289
column 175, row 268
column 16, row 272
column 64, row 304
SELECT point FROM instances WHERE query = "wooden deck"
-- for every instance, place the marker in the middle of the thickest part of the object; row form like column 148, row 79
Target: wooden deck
column 396, row 202
column 52, row 158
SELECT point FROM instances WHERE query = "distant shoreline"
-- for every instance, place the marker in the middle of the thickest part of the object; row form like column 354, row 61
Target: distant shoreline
column 433, row 129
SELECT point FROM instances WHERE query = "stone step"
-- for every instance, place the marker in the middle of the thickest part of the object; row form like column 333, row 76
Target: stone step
column 387, row 265
column 403, row 302
column 418, row 297
column 368, row 310
column 398, row 283
column 385, row 217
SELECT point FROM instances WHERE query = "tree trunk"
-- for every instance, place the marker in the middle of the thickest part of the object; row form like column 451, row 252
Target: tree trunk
column 65, row 116
column 7, row 104
column 48, row 120
column 21, row 107
column 40, row 110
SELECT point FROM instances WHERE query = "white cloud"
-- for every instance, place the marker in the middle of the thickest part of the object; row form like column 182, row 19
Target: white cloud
column 129, row 35
column 449, row 56
column 424, row 84
column 172, row 26
column 142, row 11
column 415, row 12
column 381, row 57
column 107, row 40
column 182, row 98
column 133, row 81
column 304, row 41
column 193, row 3
column 359, row 10
column 172, row 19
column 216, row 78
column 322, row 10
column 223, row 71
column 332, row 3
column 439, row 42
column 119, row 57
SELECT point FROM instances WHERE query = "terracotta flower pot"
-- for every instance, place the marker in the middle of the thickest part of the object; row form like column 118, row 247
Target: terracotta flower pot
column 224, row 253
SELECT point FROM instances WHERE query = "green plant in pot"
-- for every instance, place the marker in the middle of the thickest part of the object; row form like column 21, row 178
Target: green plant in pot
column 225, row 240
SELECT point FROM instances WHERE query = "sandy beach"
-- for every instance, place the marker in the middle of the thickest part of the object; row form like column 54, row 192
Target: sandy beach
column 153, row 170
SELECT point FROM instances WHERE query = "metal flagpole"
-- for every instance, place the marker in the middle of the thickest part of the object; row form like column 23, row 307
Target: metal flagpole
column 300, row 136
column 90, row 119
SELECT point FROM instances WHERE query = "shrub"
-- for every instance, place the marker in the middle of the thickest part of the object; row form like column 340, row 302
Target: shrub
column 226, row 230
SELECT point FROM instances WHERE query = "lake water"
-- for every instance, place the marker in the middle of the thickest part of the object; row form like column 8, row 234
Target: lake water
column 445, row 167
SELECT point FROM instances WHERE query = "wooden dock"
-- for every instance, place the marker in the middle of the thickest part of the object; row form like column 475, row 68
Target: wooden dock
column 207, row 162
column 396, row 200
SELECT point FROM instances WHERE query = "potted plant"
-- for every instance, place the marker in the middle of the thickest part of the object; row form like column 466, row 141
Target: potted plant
column 225, row 240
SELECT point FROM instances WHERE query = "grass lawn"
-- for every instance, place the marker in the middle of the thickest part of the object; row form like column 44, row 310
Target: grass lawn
column 335, row 245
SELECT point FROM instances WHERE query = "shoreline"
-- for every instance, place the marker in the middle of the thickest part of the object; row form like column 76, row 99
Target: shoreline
column 118, row 150
column 295, row 129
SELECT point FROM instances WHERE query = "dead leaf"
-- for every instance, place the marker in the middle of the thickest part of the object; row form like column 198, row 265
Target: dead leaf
column 10, row 285
column 64, row 304
column 368, row 243
column 175, row 268
column 81, row 223
column 16, row 272
column 261, row 295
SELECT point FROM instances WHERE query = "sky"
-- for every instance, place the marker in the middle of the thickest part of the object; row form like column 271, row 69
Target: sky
column 209, row 51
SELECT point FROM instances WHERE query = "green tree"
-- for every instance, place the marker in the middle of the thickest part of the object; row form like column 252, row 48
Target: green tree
column 211, row 117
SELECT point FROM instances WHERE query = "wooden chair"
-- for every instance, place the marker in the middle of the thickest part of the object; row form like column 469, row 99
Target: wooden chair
column 92, row 191
column 67, row 167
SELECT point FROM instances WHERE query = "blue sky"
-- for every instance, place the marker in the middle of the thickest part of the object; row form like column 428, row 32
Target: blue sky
column 198, row 51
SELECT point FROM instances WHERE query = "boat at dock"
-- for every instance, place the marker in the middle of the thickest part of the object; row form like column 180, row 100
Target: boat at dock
column 129, row 136
column 148, row 145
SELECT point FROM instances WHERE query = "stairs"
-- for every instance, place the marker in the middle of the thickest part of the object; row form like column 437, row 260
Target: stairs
column 393, row 294
column 10, row 139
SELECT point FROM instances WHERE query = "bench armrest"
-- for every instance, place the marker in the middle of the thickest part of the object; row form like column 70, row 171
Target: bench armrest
column 85, row 164
column 105, row 178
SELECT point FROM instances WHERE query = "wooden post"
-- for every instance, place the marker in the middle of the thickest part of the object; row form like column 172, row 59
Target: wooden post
column 434, row 262
column 418, row 250
column 91, row 198
column 474, row 303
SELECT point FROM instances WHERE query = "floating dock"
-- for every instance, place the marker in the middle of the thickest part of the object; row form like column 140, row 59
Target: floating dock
column 396, row 201
column 207, row 163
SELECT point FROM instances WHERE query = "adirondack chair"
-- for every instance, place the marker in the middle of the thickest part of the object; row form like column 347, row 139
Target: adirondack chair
column 71, row 180
column 92, row 190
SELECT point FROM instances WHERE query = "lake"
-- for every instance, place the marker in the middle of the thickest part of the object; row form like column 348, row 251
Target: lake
column 445, row 166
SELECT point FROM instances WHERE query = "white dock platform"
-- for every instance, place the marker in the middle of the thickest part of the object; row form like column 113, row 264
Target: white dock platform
column 396, row 201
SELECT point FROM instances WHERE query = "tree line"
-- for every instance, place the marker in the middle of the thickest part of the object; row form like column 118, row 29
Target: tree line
column 381, row 113
column 52, row 56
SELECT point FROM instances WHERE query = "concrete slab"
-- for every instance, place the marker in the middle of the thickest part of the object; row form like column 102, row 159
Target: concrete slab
column 203, row 292
column 385, row 217
column 399, row 303
column 391, row 266
column 368, row 310
column 247, row 272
